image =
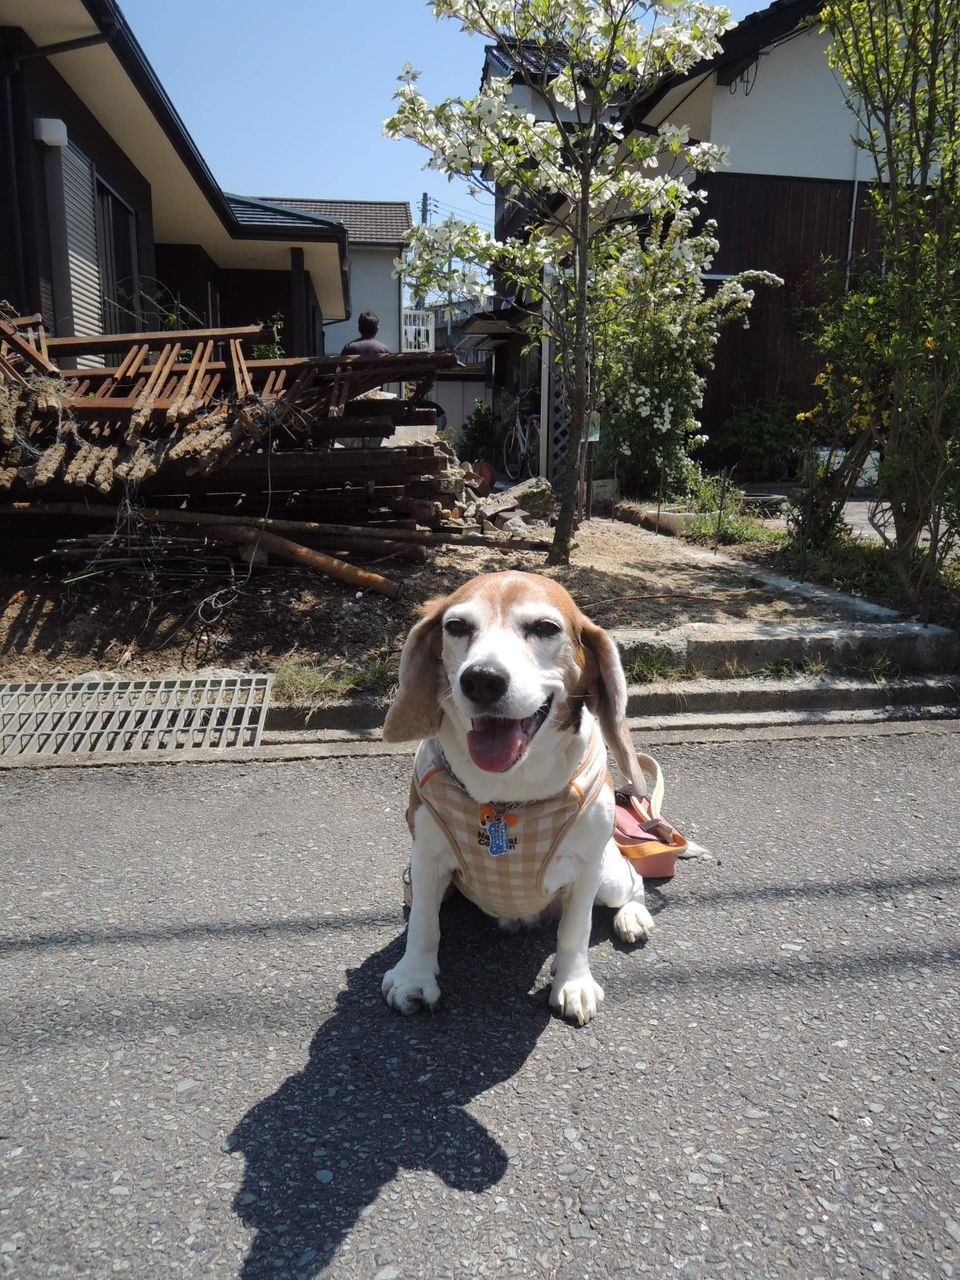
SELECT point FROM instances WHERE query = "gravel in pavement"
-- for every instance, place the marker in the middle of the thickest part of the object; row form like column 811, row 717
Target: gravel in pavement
column 200, row 1078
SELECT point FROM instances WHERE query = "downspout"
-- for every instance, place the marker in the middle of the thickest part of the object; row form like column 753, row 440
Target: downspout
column 853, row 208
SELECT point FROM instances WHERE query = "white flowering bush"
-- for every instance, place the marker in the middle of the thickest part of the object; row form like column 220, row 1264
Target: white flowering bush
column 660, row 340
column 573, row 169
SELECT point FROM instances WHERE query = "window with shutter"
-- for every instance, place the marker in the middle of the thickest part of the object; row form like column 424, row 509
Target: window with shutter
column 119, row 281
column 83, row 261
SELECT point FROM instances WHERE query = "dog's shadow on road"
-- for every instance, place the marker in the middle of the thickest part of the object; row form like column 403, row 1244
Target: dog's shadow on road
column 381, row 1093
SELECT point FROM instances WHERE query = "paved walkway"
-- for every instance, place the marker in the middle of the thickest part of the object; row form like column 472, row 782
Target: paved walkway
column 200, row 1077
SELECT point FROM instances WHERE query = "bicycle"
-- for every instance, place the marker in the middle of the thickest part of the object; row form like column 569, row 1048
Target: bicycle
column 521, row 448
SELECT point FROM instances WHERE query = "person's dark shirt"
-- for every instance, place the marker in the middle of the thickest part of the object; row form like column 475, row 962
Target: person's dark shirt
column 365, row 347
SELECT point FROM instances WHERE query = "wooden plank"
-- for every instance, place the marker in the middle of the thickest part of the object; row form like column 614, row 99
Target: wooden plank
column 33, row 357
column 9, row 372
column 101, row 344
column 154, row 385
column 322, row 365
column 183, row 393
column 400, row 411
column 241, row 378
column 349, row 429
column 217, row 522
column 291, row 472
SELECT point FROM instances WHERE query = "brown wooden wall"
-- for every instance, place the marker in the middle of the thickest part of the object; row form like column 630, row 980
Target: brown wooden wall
column 799, row 229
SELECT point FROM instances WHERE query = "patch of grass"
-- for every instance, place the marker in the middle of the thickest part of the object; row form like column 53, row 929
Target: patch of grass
column 815, row 665
column 657, row 664
column 786, row 669
column 848, row 564
column 302, row 685
column 878, row 667
column 783, row 670
column 735, row 530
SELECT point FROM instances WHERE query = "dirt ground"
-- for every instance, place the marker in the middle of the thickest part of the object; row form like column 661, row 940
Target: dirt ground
column 144, row 624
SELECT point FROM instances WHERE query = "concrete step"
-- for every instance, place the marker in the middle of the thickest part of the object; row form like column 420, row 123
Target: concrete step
column 758, row 693
column 651, row 732
column 682, row 705
column 724, row 649
column 808, row 716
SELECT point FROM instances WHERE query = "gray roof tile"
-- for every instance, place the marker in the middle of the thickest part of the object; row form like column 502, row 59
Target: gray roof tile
column 367, row 221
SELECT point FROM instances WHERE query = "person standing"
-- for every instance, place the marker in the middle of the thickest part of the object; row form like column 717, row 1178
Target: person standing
column 367, row 344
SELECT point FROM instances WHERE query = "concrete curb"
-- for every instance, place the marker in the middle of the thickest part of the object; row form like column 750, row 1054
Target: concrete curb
column 677, row 697
column 716, row 649
column 748, row 730
column 808, row 693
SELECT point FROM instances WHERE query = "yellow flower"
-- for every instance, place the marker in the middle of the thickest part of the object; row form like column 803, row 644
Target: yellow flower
column 930, row 344
column 871, row 337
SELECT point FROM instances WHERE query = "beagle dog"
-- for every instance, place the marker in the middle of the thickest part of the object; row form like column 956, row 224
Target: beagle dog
column 514, row 695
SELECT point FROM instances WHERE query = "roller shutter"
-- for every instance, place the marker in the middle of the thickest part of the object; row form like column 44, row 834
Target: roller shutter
column 79, row 194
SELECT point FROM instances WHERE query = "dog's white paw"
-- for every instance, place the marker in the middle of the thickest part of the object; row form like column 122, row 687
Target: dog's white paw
column 578, row 999
column 408, row 989
column 633, row 922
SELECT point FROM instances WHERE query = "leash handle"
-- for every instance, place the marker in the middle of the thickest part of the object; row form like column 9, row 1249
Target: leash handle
column 650, row 766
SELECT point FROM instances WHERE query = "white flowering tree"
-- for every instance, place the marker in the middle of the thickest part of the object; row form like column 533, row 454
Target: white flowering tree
column 659, row 322
column 577, row 173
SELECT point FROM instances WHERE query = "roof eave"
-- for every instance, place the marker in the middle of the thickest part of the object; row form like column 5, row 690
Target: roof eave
column 750, row 35
column 123, row 43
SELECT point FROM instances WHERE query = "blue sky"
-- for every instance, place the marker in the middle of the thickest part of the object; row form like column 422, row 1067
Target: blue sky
column 288, row 98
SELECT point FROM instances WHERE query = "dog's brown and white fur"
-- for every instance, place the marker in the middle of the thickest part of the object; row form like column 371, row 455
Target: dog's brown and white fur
column 535, row 647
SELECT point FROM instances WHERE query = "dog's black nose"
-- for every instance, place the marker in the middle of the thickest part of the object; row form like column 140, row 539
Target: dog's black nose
column 484, row 685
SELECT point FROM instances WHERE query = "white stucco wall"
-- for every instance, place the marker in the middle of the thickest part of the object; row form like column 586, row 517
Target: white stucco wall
column 458, row 397
column 372, row 288
column 794, row 120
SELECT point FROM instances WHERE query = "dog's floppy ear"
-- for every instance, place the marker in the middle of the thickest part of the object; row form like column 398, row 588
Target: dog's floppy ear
column 415, row 710
column 604, row 687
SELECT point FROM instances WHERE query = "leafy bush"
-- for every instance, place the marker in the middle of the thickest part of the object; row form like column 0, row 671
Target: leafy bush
column 479, row 430
column 653, row 381
column 765, row 438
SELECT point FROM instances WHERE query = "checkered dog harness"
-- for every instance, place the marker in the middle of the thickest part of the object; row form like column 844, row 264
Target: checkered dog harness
column 503, row 851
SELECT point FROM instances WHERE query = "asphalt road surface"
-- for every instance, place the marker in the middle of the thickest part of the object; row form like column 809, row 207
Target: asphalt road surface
column 199, row 1076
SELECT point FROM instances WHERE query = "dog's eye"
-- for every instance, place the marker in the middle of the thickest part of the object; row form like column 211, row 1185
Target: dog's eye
column 458, row 627
column 543, row 630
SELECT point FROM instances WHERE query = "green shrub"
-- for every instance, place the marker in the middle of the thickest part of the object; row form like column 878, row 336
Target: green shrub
column 478, row 436
column 765, row 438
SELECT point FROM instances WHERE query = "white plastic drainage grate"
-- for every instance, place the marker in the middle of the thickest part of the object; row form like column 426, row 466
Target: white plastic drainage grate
column 80, row 717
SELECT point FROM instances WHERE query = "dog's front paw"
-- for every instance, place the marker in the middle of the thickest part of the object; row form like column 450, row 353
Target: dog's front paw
column 408, row 989
column 577, row 999
column 633, row 922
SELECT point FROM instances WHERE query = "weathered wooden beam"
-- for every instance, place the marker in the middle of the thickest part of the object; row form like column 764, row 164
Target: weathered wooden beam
column 396, row 410
column 101, row 343
column 36, row 359
column 323, row 429
column 420, row 537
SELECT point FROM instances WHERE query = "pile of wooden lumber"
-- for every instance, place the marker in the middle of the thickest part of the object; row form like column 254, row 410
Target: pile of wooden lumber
column 176, row 407
column 192, row 423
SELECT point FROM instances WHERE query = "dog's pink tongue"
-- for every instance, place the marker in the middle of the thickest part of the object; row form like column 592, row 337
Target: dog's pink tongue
column 495, row 745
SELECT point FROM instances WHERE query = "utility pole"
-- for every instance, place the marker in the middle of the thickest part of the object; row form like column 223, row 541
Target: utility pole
column 418, row 303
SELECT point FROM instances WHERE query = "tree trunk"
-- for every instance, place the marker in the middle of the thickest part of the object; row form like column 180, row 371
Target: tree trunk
column 563, row 533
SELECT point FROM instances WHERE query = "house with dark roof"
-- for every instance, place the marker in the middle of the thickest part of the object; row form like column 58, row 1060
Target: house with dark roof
column 111, row 218
column 375, row 229
column 791, row 199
